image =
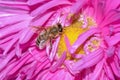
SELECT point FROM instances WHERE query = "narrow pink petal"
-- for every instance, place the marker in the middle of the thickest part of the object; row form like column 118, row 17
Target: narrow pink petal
column 116, row 68
column 58, row 75
column 99, row 6
column 28, row 70
column 43, row 20
column 12, row 42
column 97, row 71
column 108, row 71
column 40, row 2
column 111, row 5
column 114, row 39
column 13, row 28
column 42, row 75
column 82, row 38
column 5, row 71
column 78, row 5
column 117, row 62
column 89, row 11
column 110, row 52
column 69, row 76
column 118, row 53
column 59, row 62
column 88, row 61
column 47, row 76
column 67, row 42
column 7, row 39
column 5, row 61
column 113, row 16
column 20, row 63
column 18, row 51
column 105, row 77
column 48, row 49
column 14, row 4
column 54, row 49
column 69, row 67
column 42, row 66
column 48, row 6
column 25, row 35
column 11, row 19
column 14, row 7
column 39, row 56
column 31, row 70
column 101, row 77
column 117, row 29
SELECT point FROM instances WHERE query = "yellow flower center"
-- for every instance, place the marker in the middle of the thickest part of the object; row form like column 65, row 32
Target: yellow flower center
column 72, row 32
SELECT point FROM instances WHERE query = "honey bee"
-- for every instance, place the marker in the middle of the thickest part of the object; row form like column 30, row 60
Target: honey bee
column 48, row 34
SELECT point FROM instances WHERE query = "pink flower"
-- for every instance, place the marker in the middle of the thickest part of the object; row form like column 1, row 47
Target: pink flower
column 88, row 49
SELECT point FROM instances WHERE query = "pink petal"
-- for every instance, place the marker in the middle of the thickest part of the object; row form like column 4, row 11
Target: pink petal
column 115, row 67
column 78, row 5
column 60, row 74
column 6, row 47
column 97, row 71
column 59, row 62
column 41, row 67
column 114, row 39
column 99, row 6
column 111, row 5
column 49, row 6
column 7, row 59
column 82, row 38
column 40, row 2
column 110, row 52
column 25, row 36
column 67, row 42
column 20, row 63
column 88, row 61
column 108, row 71
column 14, row 7
column 68, row 76
column 54, row 49
column 101, row 77
column 43, row 20
column 38, row 55
column 10, row 19
column 13, row 28
column 112, row 17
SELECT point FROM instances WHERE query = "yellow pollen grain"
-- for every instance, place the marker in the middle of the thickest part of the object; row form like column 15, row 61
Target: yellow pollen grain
column 95, row 42
column 90, row 48
column 91, row 22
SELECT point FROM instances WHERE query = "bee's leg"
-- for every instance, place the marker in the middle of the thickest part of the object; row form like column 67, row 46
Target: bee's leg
column 50, row 43
column 45, row 29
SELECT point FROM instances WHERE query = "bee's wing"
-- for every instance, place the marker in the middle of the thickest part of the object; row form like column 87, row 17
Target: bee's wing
column 37, row 29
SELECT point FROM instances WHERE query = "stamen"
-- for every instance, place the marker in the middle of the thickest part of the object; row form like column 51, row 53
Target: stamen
column 92, row 44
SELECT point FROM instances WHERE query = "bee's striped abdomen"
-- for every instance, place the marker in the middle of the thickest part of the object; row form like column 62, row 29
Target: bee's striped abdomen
column 38, row 41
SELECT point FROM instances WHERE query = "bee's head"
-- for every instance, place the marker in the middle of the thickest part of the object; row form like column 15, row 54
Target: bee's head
column 60, row 29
